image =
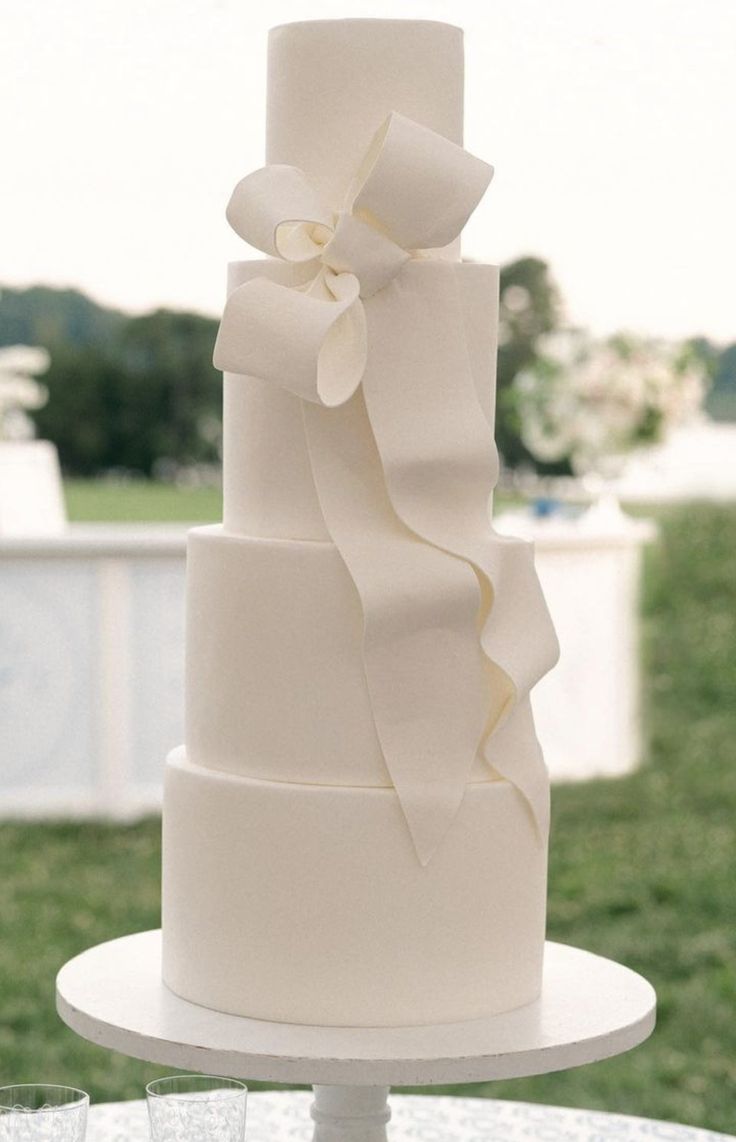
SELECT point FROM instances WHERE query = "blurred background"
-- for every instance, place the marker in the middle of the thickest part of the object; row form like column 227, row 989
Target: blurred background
column 611, row 128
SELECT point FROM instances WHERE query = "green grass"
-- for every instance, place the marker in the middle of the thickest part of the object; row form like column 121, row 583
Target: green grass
column 140, row 501
column 143, row 501
column 642, row 869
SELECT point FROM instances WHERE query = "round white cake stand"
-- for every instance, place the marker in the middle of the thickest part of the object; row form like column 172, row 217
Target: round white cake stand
column 590, row 1008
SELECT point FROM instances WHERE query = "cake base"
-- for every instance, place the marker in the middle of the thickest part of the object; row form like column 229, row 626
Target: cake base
column 589, row 1009
column 308, row 904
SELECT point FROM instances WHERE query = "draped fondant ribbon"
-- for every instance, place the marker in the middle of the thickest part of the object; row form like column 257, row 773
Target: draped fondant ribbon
column 456, row 631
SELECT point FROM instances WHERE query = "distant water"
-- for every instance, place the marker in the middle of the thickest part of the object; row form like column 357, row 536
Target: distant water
column 696, row 462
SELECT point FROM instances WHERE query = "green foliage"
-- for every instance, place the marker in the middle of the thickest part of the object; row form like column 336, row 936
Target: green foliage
column 62, row 886
column 129, row 393
column 530, row 306
column 721, row 402
column 174, row 392
column 42, row 315
column 86, row 392
column 641, row 870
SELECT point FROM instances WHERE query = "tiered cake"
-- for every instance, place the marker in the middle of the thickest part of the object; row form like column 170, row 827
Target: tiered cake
column 355, row 832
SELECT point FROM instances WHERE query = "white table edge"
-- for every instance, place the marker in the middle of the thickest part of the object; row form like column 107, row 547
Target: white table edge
column 577, row 1123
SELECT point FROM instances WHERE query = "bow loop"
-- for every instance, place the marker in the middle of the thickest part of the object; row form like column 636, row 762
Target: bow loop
column 417, row 186
column 276, row 210
column 313, row 339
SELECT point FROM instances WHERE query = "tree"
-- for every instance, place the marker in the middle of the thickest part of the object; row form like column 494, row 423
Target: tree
column 721, row 366
column 150, row 395
column 44, row 315
column 174, row 387
column 529, row 307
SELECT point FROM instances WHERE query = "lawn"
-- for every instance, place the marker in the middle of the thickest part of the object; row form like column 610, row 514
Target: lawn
column 642, row 868
column 137, row 501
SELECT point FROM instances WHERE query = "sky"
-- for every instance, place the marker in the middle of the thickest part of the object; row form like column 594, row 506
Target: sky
column 124, row 125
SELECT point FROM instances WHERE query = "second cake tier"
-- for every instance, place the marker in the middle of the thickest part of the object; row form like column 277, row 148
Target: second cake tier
column 275, row 679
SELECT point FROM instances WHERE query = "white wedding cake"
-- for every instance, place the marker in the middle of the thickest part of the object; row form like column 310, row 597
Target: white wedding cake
column 355, row 832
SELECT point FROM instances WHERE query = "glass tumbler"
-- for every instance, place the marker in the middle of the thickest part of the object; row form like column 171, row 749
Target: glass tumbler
column 39, row 1112
column 202, row 1107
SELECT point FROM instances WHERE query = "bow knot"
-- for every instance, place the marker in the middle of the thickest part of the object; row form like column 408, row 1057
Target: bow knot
column 414, row 191
column 357, row 247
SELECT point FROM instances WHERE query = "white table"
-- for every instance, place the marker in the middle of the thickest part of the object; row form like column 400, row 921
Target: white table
column 91, row 669
column 587, row 709
column 283, row 1116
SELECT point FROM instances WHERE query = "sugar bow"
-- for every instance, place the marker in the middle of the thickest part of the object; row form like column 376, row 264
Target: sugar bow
column 414, row 191
column 455, row 628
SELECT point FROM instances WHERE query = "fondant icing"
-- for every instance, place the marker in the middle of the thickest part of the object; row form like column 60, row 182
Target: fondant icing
column 306, row 903
column 356, row 830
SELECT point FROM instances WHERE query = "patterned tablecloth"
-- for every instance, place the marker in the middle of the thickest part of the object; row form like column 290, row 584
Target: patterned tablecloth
column 278, row 1116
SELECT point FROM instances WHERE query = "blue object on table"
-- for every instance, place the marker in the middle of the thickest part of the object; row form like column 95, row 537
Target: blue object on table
column 545, row 506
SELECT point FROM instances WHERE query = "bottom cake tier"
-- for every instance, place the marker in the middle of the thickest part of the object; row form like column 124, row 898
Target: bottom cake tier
column 307, row 903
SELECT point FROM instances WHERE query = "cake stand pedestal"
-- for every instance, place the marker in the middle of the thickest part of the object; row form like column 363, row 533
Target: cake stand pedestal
column 590, row 1008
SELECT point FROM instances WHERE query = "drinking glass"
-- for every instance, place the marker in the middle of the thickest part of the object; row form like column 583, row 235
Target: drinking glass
column 203, row 1107
column 39, row 1112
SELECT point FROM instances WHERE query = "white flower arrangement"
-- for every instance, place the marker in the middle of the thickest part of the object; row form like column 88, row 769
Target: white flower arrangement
column 590, row 402
column 19, row 392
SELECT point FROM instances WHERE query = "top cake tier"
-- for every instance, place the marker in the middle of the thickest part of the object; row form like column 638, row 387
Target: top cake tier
column 331, row 83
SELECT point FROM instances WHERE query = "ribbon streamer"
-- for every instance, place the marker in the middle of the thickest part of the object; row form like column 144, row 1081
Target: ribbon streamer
column 456, row 631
